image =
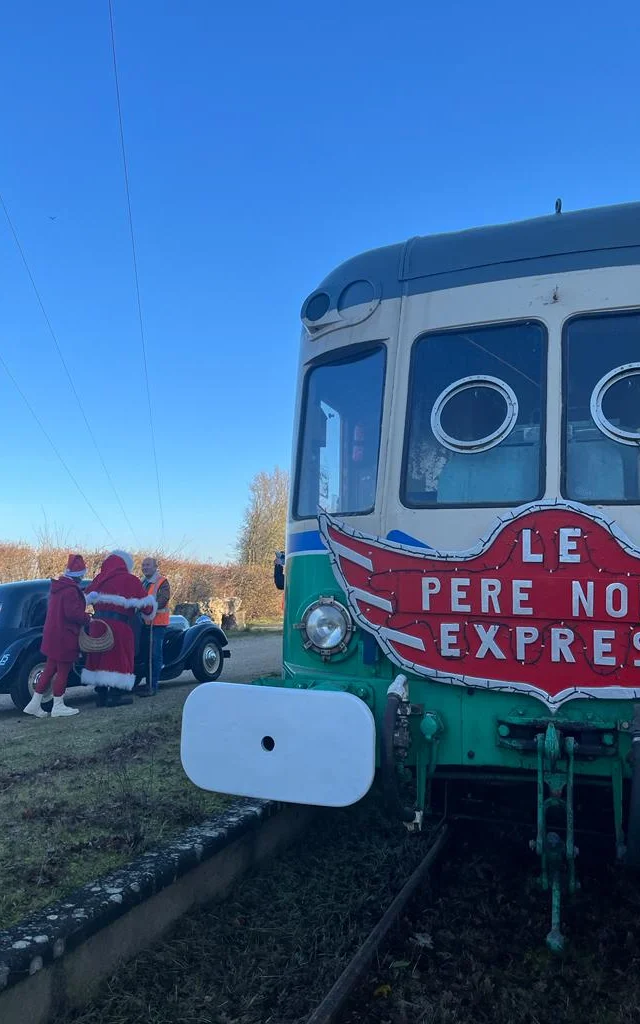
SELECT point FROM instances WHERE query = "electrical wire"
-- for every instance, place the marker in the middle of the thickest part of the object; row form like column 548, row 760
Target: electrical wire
column 64, row 364
column 135, row 261
column 53, row 446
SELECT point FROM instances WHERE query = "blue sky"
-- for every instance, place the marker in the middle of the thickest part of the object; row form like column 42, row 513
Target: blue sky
column 266, row 143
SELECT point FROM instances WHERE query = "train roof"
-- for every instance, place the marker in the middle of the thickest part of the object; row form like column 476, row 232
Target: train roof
column 607, row 236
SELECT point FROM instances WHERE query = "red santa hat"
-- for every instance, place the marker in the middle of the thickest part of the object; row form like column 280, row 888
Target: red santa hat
column 76, row 567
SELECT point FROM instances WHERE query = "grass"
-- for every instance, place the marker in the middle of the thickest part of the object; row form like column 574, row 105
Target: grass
column 469, row 950
column 85, row 800
column 270, row 951
column 81, row 796
column 258, row 628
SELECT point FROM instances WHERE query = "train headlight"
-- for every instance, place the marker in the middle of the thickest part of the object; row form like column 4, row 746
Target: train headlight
column 326, row 627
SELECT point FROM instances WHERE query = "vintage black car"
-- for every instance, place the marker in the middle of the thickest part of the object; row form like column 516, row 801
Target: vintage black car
column 200, row 649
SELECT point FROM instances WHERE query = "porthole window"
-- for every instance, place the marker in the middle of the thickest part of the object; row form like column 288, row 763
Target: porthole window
column 474, row 414
column 475, row 417
column 615, row 404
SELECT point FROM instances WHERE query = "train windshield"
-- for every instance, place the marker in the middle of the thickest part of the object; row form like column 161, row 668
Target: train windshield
column 475, row 417
column 601, row 397
column 341, row 422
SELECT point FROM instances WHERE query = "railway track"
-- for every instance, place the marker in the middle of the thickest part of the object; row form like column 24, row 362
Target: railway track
column 310, row 938
column 474, row 952
column 276, row 945
column 329, row 1009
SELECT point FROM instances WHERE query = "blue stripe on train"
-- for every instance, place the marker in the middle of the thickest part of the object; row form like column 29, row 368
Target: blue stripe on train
column 310, row 540
column 403, row 538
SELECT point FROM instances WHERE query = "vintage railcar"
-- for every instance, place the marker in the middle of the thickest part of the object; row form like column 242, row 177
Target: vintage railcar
column 462, row 570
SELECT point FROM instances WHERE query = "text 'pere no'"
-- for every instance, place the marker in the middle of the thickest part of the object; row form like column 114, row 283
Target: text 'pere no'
column 571, row 598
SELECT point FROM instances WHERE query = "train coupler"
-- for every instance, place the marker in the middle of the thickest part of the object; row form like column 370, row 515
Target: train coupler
column 557, row 855
column 431, row 729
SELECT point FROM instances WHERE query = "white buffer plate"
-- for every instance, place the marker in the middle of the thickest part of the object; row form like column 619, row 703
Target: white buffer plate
column 295, row 746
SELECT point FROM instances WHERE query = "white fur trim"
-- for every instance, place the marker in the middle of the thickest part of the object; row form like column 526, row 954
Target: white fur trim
column 100, row 677
column 75, row 575
column 122, row 602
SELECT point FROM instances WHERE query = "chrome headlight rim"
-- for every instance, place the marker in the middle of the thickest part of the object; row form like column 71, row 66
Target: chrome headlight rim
column 311, row 644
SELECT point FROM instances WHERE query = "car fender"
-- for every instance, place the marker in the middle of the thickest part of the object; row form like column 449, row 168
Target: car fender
column 12, row 654
column 195, row 634
column 191, row 637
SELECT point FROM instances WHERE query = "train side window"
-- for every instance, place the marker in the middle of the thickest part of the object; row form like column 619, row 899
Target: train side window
column 601, row 408
column 475, row 417
column 340, row 435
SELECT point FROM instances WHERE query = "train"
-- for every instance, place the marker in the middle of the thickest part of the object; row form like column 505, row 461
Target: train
column 462, row 574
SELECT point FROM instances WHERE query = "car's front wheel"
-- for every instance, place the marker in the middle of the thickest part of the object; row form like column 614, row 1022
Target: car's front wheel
column 28, row 675
column 207, row 661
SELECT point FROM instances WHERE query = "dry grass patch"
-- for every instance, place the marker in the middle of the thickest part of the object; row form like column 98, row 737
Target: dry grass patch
column 80, row 797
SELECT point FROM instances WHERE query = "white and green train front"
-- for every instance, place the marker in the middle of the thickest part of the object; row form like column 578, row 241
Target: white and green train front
column 464, row 522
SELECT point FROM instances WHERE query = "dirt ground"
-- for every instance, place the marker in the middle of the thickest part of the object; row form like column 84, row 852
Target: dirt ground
column 81, row 796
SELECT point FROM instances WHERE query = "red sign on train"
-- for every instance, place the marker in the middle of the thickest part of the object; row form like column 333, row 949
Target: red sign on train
column 548, row 604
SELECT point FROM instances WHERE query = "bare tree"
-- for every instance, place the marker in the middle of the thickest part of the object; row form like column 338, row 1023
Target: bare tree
column 51, row 549
column 18, row 561
column 263, row 527
column 205, row 586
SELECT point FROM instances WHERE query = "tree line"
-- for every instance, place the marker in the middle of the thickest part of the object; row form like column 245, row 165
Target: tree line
column 249, row 579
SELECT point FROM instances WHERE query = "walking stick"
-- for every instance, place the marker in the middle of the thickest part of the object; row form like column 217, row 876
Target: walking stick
column 150, row 679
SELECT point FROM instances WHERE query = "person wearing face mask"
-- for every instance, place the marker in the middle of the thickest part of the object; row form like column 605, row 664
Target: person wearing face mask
column 66, row 615
column 155, row 626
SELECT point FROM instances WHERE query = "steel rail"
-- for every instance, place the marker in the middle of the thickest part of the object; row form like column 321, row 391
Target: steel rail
column 333, row 1002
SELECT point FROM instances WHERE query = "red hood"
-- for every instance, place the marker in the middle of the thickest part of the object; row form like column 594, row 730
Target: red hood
column 113, row 563
column 112, row 567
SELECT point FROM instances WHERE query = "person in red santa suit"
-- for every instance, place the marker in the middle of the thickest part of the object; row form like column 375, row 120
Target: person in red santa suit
column 116, row 594
column 66, row 615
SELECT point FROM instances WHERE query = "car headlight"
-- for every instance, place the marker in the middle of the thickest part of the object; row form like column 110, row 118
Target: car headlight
column 326, row 626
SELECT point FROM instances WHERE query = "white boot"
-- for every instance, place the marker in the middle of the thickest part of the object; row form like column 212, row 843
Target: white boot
column 33, row 707
column 60, row 709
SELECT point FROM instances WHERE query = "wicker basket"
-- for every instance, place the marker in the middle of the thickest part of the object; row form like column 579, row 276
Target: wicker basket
column 96, row 644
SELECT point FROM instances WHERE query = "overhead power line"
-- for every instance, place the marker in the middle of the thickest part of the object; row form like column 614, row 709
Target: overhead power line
column 53, row 446
column 135, row 261
column 65, row 365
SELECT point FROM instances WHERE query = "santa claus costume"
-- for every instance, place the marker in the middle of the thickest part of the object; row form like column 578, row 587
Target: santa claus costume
column 66, row 615
column 116, row 594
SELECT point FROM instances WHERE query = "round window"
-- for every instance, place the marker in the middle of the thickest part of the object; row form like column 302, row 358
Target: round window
column 615, row 404
column 316, row 306
column 474, row 414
